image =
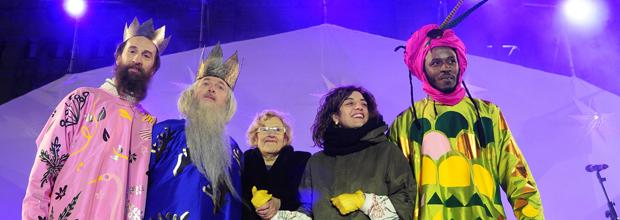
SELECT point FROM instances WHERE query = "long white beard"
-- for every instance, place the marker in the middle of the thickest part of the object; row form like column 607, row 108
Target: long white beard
column 209, row 146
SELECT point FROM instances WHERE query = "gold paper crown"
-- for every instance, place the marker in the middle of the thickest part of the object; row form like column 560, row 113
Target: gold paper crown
column 212, row 66
column 146, row 30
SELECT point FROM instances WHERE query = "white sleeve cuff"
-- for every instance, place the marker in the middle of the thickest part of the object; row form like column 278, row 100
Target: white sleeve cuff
column 378, row 207
column 367, row 202
column 290, row 215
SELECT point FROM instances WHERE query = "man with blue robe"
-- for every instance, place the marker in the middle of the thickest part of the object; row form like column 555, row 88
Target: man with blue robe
column 194, row 171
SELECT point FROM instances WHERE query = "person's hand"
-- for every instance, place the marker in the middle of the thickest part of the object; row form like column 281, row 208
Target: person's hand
column 259, row 197
column 270, row 208
column 348, row 202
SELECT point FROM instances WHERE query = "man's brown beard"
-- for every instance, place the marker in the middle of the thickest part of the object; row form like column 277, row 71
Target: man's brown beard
column 132, row 84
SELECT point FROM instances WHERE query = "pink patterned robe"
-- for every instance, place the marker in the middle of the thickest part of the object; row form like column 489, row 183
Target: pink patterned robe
column 91, row 161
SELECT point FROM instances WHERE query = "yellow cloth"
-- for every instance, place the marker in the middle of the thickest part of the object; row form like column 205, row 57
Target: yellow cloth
column 259, row 197
column 348, row 202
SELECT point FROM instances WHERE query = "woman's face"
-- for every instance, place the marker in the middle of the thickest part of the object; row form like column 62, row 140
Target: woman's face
column 270, row 136
column 353, row 111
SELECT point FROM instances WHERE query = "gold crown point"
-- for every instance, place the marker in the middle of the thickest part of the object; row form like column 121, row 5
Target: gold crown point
column 146, row 30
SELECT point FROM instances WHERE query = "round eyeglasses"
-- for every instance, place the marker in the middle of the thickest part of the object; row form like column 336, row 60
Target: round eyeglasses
column 277, row 130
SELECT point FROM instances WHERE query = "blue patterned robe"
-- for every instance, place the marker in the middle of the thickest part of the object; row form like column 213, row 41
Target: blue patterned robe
column 176, row 189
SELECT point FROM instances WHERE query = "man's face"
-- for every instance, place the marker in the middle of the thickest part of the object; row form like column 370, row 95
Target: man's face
column 134, row 67
column 441, row 68
column 139, row 55
column 212, row 91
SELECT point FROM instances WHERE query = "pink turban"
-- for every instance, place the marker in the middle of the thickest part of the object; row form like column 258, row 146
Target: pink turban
column 415, row 51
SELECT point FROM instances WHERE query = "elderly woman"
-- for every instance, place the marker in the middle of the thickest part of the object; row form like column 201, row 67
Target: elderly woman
column 272, row 166
column 358, row 174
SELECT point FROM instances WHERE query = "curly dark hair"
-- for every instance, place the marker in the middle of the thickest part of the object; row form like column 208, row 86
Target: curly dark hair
column 330, row 104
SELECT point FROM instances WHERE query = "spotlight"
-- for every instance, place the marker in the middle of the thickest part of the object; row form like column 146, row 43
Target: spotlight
column 75, row 8
column 585, row 13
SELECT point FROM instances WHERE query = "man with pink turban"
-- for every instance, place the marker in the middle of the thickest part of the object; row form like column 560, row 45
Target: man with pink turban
column 461, row 149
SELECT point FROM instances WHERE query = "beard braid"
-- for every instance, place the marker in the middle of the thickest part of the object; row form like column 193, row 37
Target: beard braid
column 209, row 146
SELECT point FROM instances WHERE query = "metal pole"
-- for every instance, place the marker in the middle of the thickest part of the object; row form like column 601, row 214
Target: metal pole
column 201, row 43
column 569, row 53
column 442, row 11
column 611, row 213
column 73, row 47
column 324, row 11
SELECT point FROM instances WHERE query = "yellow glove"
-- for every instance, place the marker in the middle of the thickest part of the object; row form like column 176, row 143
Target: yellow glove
column 259, row 197
column 349, row 202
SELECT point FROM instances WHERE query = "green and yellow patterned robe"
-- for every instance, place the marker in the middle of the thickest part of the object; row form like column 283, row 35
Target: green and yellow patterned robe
column 459, row 177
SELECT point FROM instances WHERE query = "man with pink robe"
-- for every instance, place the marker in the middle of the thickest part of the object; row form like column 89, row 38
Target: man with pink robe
column 94, row 150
